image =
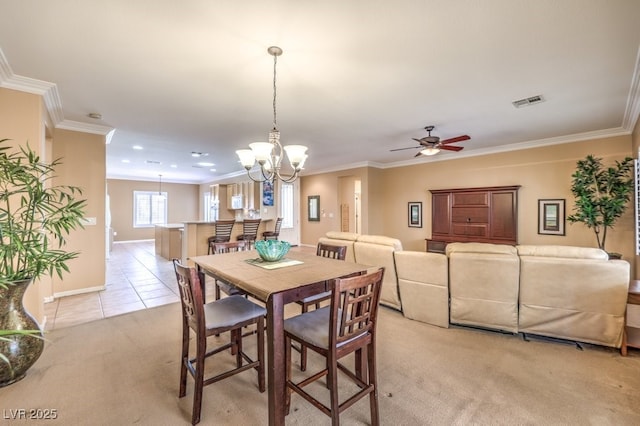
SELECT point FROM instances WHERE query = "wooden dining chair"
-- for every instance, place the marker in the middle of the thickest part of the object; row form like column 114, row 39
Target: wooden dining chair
column 346, row 326
column 230, row 314
column 275, row 234
column 249, row 231
column 332, row 252
column 221, row 248
column 223, row 230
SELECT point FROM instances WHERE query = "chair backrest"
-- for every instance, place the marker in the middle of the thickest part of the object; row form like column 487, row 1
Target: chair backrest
column 250, row 227
column 276, row 230
column 223, row 229
column 331, row 251
column 354, row 307
column 228, row 247
column 191, row 296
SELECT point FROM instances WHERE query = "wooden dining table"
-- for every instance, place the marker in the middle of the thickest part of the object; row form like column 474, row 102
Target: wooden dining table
column 298, row 275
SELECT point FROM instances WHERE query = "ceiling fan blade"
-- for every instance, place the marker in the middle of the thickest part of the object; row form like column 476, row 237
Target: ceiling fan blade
column 402, row 149
column 457, row 139
column 418, row 154
column 451, row 148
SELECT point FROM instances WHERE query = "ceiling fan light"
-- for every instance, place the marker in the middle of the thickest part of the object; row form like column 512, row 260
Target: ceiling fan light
column 430, row 151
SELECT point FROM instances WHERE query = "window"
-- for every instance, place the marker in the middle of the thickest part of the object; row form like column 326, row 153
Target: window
column 149, row 208
column 286, row 205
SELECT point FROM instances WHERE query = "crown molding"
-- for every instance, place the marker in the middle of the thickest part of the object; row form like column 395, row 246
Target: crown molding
column 51, row 98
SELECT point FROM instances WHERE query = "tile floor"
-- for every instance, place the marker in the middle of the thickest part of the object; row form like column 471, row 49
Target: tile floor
column 136, row 279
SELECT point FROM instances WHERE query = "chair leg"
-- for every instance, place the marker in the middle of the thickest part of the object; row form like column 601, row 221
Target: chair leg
column 332, row 381
column 373, row 379
column 260, row 333
column 199, row 380
column 287, row 364
column 183, row 361
column 303, row 348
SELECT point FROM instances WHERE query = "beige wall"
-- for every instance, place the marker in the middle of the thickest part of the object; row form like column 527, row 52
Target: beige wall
column 183, row 205
column 542, row 173
column 84, row 165
column 21, row 120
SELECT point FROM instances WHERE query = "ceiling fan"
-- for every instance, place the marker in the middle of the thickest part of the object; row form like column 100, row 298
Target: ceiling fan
column 431, row 145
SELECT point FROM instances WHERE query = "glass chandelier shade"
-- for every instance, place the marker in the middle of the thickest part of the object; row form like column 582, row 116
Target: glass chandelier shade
column 268, row 155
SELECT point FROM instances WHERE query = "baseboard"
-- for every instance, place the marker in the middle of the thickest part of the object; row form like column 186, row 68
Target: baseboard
column 79, row 291
column 133, row 241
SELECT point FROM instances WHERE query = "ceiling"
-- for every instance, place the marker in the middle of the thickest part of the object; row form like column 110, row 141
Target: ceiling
column 356, row 79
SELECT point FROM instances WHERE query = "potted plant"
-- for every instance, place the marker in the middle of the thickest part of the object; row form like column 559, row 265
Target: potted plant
column 601, row 195
column 35, row 218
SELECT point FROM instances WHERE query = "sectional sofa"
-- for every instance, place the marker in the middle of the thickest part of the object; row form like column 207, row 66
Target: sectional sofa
column 571, row 293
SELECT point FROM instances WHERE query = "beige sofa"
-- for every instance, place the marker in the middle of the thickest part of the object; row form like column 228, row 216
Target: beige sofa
column 376, row 251
column 572, row 293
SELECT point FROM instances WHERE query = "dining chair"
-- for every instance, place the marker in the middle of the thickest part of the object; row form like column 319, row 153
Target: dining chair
column 273, row 235
column 346, row 326
column 249, row 231
column 332, row 252
column 223, row 230
column 229, row 314
column 221, row 248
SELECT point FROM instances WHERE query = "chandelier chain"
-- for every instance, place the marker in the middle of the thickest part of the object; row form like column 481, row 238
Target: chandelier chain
column 275, row 61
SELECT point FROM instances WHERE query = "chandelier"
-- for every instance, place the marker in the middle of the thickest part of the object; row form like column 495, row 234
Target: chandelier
column 268, row 155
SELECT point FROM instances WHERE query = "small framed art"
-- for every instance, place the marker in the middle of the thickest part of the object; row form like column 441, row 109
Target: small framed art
column 415, row 214
column 551, row 217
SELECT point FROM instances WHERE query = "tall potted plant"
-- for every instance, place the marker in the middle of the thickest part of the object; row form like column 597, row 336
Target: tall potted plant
column 601, row 194
column 35, row 218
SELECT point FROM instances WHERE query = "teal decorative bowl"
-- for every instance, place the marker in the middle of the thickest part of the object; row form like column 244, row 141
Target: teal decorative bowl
column 272, row 250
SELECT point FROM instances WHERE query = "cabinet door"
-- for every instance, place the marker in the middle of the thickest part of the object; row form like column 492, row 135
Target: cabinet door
column 440, row 214
column 503, row 223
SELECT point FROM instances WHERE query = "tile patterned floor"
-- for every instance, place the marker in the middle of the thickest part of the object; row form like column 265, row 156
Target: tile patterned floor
column 136, row 279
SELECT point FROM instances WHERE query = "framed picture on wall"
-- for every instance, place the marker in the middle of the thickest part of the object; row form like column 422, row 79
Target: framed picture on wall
column 415, row 214
column 314, row 208
column 551, row 217
column 267, row 193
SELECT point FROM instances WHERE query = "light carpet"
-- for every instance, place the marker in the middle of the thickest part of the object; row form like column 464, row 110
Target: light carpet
column 125, row 369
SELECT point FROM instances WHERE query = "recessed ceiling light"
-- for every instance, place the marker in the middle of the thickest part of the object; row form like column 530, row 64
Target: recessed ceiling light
column 174, row 166
column 206, row 164
column 126, row 161
column 137, row 147
column 212, row 170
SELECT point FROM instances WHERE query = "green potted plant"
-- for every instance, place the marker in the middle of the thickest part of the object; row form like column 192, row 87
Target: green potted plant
column 601, row 195
column 35, row 218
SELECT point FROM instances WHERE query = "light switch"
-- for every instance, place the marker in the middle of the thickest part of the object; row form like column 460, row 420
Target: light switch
column 89, row 221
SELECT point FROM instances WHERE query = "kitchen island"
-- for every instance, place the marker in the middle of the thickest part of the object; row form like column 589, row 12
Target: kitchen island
column 196, row 234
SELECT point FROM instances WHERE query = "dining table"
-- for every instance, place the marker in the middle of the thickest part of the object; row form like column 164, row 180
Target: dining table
column 298, row 275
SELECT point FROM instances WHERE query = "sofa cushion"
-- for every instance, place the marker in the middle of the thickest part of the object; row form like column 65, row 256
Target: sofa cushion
column 346, row 239
column 582, row 299
column 567, row 252
column 483, row 285
column 423, row 279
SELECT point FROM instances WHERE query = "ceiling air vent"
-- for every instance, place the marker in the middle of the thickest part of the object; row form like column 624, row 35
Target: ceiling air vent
column 528, row 101
column 153, row 162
